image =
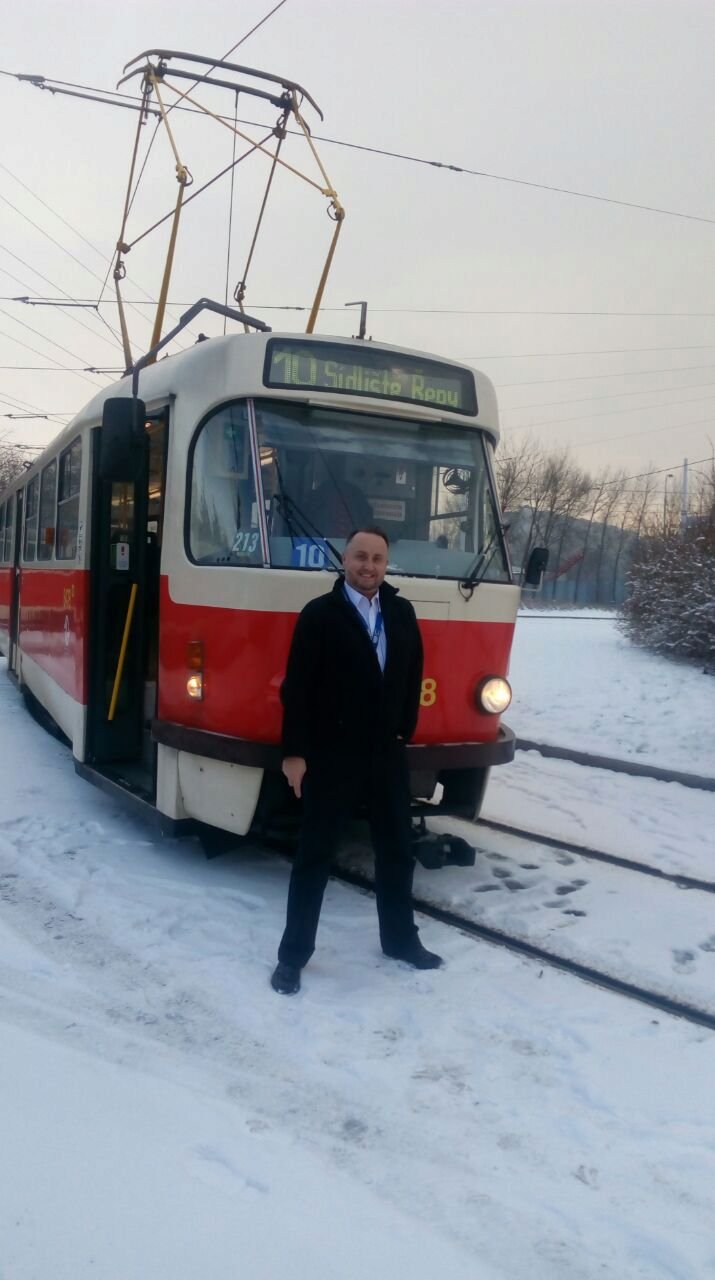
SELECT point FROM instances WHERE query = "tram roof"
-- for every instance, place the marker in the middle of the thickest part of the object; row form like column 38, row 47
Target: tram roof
column 220, row 369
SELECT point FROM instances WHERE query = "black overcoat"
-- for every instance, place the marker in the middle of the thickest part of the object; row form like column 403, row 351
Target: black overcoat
column 335, row 697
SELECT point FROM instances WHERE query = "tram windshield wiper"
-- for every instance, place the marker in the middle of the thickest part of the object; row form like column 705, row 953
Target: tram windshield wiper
column 478, row 570
column 299, row 525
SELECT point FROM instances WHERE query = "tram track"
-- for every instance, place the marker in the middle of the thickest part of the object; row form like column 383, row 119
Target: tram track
column 633, row 768
column 586, row 973
column 681, row 881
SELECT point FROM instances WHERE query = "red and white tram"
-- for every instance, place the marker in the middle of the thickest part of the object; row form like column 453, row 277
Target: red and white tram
column 154, row 558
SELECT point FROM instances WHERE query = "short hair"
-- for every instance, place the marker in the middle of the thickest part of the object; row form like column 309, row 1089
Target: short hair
column 370, row 528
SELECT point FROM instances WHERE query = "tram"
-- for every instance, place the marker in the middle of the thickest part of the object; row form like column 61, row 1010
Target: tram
column 154, row 559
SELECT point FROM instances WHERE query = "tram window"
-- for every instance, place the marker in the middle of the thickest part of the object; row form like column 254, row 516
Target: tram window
column 328, row 471
column 9, row 529
column 2, row 533
column 223, row 524
column 31, row 512
column 46, row 531
column 68, row 501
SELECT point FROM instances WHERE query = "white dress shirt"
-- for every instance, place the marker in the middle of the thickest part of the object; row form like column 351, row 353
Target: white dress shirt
column 369, row 611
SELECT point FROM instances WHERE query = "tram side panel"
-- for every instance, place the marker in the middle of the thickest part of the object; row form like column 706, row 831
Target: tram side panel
column 53, row 617
column 53, row 641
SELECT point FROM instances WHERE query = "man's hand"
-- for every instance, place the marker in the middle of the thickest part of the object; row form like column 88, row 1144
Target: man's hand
column 294, row 768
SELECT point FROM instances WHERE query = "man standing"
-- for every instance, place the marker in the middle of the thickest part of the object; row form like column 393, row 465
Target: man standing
column 351, row 699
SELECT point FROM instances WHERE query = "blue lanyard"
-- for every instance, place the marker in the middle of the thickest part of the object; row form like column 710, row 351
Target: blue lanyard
column 374, row 635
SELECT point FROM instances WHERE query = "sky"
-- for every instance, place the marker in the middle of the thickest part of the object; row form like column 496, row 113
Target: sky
column 594, row 320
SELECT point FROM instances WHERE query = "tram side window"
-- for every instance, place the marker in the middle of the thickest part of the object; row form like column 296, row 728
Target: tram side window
column 31, row 513
column 223, row 526
column 68, row 501
column 2, row 533
column 46, row 531
column 9, row 529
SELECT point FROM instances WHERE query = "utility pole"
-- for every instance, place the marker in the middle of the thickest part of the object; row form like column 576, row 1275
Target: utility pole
column 665, row 504
column 684, row 498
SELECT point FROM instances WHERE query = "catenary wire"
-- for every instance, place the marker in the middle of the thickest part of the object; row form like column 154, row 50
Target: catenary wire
column 51, row 341
column 420, row 160
column 613, row 395
column 443, row 311
column 149, row 300
column 64, row 309
column 607, row 413
column 44, row 354
column 593, row 377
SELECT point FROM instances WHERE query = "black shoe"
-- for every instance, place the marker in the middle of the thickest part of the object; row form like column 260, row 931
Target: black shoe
column 417, row 955
column 285, row 979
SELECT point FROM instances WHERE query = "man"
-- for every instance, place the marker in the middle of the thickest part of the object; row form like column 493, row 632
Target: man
column 351, row 699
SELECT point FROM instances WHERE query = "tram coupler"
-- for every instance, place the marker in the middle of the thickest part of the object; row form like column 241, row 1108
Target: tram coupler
column 436, row 851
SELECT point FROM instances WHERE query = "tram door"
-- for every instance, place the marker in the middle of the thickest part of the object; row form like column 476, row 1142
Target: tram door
column 13, row 661
column 119, row 593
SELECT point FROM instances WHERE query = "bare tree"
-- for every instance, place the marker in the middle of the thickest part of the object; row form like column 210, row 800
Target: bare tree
column 12, row 462
column 612, row 499
column 599, row 494
column 575, row 497
column 515, row 472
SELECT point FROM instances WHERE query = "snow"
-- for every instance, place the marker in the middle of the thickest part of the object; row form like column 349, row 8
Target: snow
column 579, row 683
column 164, row 1114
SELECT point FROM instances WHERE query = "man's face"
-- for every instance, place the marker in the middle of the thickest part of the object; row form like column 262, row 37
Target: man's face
column 365, row 563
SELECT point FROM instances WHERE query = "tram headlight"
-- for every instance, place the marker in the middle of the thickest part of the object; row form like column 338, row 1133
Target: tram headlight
column 195, row 664
column 195, row 685
column 493, row 695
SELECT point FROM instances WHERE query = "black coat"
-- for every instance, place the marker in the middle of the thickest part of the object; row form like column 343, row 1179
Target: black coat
column 335, row 697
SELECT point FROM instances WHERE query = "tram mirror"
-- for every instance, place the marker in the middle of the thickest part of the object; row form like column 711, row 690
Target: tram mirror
column 122, row 431
column 536, row 567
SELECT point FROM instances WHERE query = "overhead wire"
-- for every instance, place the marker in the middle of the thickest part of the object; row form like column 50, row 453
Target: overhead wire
column 51, row 341
column 593, row 377
column 48, row 82
column 445, row 311
column 606, row 413
column 13, row 401
column 44, row 354
column 64, row 309
column 653, row 431
column 614, row 395
column 601, row 351
column 149, row 300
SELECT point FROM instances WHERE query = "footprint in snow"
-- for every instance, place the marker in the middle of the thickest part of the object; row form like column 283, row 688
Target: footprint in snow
column 572, row 887
column 683, row 961
column 708, row 944
column 219, row 1167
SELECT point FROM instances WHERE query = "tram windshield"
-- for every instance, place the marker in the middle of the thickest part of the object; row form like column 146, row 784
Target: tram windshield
column 325, row 472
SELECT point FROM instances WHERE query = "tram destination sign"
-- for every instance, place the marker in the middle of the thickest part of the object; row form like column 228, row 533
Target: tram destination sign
column 297, row 365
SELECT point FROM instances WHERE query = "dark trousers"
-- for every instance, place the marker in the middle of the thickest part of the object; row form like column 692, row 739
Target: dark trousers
column 331, row 788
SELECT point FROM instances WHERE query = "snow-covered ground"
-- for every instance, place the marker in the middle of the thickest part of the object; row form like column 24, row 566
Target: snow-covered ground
column 579, row 683
column 164, row 1115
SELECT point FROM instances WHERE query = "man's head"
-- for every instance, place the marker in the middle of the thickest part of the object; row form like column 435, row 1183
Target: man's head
column 365, row 560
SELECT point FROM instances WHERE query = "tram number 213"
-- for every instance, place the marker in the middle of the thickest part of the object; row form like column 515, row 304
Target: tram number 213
column 428, row 695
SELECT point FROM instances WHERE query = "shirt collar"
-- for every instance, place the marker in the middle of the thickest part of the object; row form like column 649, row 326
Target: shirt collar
column 360, row 601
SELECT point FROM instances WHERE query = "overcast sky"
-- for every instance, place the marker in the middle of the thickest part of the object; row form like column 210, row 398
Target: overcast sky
column 608, row 97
